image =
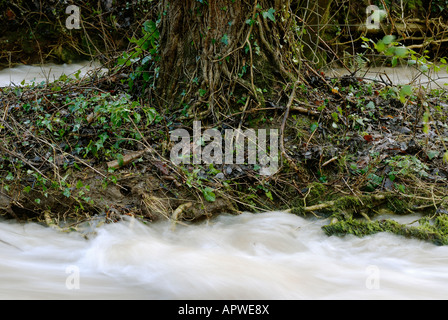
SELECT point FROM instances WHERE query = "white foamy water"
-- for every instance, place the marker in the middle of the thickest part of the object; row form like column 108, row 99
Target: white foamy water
column 47, row 72
column 263, row 256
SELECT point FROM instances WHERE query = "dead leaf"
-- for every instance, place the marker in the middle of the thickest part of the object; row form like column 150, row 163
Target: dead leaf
column 10, row 14
column 368, row 138
column 163, row 168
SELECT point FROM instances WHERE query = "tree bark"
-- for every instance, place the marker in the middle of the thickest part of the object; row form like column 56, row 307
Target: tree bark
column 209, row 48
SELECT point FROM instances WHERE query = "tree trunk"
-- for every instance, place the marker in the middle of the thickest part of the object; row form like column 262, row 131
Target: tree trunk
column 209, row 50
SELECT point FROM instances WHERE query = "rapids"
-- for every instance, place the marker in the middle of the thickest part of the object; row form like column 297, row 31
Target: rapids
column 251, row 256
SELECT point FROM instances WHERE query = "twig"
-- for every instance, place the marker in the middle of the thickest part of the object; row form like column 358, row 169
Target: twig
column 282, row 129
column 330, row 161
column 305, row 110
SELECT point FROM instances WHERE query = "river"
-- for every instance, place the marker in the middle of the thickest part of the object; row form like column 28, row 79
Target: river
column 251, row 256
column 397, row 75
column 48, row 72
column 401, row 75
column 274, row 256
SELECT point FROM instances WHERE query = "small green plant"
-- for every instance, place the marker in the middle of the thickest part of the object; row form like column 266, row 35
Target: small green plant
column 113, row 116
column 195, row 180
column 142, row 57
column 406, row 166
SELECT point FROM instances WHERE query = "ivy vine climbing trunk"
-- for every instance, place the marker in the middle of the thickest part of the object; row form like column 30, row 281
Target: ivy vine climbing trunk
column 211, row 49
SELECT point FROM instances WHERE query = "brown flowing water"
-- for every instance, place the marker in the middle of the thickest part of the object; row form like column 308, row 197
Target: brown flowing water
column 251, row 256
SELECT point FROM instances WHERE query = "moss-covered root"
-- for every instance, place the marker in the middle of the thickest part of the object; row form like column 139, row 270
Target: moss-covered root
column 364, row 205
column 435, row 231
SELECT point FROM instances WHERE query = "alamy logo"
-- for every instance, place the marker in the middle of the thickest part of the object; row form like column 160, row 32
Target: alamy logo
column 373, row 278
column 73, row 20
column 72, row 282
column 207, row 147
column 374, row 17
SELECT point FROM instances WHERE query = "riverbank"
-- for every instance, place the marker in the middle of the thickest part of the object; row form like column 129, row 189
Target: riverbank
column 83, row 148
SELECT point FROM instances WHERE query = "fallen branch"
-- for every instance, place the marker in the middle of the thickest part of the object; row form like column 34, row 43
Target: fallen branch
column 305, row 111
column 127, row 159
column 329, row 204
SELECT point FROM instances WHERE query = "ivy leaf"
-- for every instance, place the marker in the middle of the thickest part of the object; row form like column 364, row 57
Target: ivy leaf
column 314, row 127
column 432, row 154
column 394, row 62
column 388, row 39
column 380, row 46
column 225, row 39
column 79, row 184
column 371, row 105
column 401, row 188
column 66, row 192
column 250, row 21
column 137, row 117
column 9, row 177
column 120, row 160
column 270, row 14
column 401, row 52
column 209, row 195
column 405, row 91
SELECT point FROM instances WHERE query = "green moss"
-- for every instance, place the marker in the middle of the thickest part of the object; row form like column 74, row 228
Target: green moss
column 362, row 205
column 352, row 226
column 298, row 210
column 66, row 54
column 349, row 202
column 434, row 231
column 414, row 4
column 397, row 205
column 316, row 193
column 367, row 204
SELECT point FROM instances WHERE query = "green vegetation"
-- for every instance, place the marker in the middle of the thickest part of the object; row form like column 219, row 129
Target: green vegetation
column 432, row 230
column 351, row 147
